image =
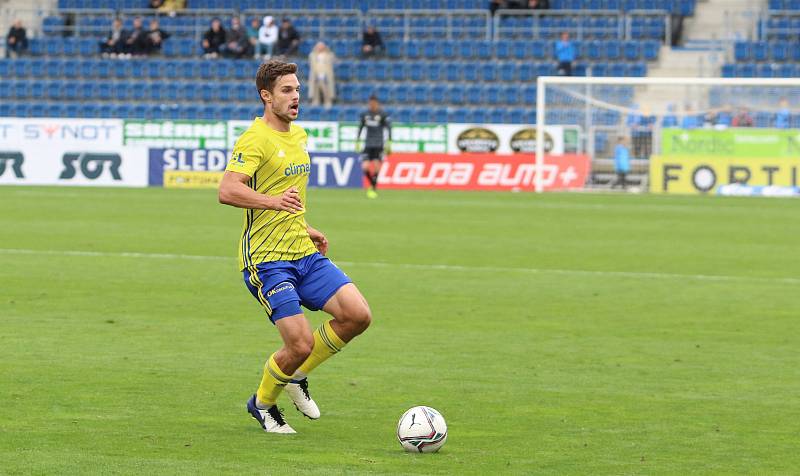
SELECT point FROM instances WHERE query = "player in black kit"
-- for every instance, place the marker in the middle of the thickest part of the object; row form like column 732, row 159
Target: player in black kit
column 375, row 121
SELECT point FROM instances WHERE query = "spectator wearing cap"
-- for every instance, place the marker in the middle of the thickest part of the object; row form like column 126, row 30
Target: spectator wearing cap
column 267, row 37
column 288, row 39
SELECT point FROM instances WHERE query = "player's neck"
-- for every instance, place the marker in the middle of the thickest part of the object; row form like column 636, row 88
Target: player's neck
column 274, row 122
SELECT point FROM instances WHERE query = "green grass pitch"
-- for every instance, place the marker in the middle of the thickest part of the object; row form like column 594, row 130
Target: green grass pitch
column 558, row 334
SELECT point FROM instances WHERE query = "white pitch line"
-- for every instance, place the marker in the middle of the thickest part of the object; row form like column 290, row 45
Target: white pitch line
column 433, row 267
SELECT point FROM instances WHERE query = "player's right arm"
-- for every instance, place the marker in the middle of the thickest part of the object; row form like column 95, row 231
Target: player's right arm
column 233, row 190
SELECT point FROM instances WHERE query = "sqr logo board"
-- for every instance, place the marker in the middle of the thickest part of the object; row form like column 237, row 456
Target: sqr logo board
column 68, row 152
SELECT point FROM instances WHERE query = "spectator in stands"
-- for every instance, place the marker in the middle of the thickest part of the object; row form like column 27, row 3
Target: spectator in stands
column 16, row 40
column 288, row 39
column 670, row 119
column 235, row 40
column 783, row 118
column 136, row 41
column 213, row 38
column 742, row 118
column 252, row 37
column 622, row 162
column 115, row 43
column 371, row 43
column 565, row 55
column 156, row 4
column 689, row 120
column 321, row 81
column 538, row 4
column 267, row 37
column 155, row 38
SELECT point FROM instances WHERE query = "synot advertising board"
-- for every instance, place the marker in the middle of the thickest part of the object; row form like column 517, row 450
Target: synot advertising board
column 86, row 152
column 486, row 171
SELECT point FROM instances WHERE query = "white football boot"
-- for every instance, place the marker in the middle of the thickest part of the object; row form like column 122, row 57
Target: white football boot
column 298, row 392
column 271, row 419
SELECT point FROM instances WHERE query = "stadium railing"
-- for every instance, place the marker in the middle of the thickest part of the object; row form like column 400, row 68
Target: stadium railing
column 582, row 24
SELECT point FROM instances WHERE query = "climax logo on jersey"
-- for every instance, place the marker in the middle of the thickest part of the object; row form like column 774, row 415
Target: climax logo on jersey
column 280, row 287
column 15, row 159
column 299, row 169
column 91, row 164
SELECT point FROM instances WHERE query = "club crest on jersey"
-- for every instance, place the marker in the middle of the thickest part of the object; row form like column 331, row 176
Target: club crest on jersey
column 238, row 159
column 297, row 169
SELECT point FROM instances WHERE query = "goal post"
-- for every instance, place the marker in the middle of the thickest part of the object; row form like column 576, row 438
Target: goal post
column 716, row 118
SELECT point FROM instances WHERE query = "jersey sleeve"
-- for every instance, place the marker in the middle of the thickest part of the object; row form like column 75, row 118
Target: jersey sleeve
column 246, row 157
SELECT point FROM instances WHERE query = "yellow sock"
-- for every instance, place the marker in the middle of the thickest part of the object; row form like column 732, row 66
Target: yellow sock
column 272, row 383
column 326, row 344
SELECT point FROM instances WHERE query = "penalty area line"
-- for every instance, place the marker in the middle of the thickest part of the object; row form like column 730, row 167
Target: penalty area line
column 431, row 267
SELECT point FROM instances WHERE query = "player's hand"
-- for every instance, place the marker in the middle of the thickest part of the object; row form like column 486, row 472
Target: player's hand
column 288, row 202
column 387, row 148
column 319, row 240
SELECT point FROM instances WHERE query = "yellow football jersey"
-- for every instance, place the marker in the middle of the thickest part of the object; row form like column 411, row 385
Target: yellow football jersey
column 274, row 161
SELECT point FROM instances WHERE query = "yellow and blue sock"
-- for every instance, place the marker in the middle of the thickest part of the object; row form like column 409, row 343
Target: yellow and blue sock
column 272, row 384
column 326, row 344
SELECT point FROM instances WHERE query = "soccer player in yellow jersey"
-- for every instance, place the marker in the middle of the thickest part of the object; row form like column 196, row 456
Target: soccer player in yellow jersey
column 282, row 258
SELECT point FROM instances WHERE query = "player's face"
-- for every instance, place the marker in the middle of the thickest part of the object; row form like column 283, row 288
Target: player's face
column 286, row 98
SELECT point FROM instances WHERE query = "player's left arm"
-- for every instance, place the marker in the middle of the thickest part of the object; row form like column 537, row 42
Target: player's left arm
column 319, row 239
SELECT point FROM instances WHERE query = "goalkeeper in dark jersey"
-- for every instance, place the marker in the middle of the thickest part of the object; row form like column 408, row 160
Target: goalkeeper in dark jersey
column 375, row 121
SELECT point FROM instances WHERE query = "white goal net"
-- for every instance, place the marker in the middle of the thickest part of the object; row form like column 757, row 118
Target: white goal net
column 677, row 135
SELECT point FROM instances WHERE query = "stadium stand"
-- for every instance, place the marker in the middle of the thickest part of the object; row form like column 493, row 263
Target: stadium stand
column 484, row 68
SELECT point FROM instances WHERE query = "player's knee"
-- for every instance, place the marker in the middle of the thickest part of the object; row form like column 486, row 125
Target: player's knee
column 301, row 348
column 360, row 318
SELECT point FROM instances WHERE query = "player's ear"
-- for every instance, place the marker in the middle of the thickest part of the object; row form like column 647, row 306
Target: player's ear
column 266, row 96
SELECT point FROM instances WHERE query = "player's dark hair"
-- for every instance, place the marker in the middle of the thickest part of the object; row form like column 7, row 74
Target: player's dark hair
column 269, row 72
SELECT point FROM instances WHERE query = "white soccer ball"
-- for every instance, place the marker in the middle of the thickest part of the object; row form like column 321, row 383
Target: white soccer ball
column 422, row 430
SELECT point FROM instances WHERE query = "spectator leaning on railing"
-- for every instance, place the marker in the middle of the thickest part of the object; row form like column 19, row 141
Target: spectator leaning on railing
column 16, row 40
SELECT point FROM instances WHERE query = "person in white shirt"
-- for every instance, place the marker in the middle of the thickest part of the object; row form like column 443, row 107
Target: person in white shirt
column 321, row 81
column 267, row 36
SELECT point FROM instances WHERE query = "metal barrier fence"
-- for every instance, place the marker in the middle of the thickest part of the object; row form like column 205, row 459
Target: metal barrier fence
column 392, row 24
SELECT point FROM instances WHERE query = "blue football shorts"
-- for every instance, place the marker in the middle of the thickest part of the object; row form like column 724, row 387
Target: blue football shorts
column 283, row 286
